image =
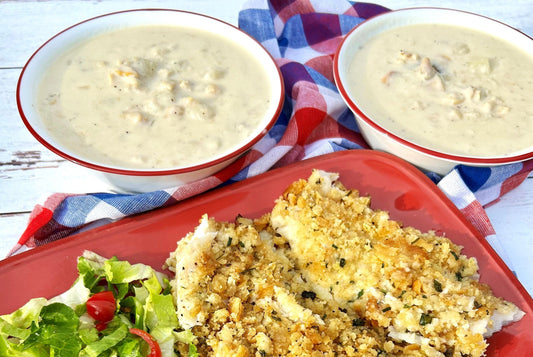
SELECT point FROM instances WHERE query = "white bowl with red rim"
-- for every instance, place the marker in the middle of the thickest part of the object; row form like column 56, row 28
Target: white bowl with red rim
column 380, row 137
column 133, row 179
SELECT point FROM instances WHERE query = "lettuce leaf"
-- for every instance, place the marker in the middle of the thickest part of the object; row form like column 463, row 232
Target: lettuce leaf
column 57, row 330
column 107, row 342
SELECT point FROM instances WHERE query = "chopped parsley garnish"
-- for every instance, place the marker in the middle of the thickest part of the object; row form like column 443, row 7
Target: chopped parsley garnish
column 425, row 319
column 437, row 285
column 309, row 295
column 358, row 322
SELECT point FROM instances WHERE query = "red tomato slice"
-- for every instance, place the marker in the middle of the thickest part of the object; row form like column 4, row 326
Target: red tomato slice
column 101, row 307
column 155, row 350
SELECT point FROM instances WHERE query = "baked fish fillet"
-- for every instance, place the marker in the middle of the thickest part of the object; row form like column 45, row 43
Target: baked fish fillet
column 323, row 274
column 416, row 286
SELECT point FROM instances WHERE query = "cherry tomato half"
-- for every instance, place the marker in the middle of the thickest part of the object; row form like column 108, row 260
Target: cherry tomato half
column 155, row 350
column 101, row 307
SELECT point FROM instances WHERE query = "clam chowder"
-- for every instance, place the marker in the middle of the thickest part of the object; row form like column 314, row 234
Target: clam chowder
column 447, row 88
column 154, row 97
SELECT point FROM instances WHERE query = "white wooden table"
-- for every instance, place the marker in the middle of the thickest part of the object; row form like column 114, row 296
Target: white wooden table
column 28, row 171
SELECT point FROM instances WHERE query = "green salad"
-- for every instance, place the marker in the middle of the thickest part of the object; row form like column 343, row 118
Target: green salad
column 113, row 309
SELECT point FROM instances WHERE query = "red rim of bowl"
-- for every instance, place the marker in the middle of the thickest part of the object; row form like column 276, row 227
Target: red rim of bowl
column 353, row 106
column 140, row 172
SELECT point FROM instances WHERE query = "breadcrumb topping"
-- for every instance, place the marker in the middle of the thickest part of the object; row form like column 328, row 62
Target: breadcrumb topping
column 323, row 274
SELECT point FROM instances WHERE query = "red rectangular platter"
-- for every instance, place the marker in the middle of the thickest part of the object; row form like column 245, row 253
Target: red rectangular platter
column 394, row 185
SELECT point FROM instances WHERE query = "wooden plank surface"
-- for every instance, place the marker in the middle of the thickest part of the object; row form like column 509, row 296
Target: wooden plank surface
column 28, row 171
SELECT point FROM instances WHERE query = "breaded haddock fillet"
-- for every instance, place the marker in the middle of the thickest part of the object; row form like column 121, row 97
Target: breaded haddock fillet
column 239, row 291
column 416, row 286
column 325, row 275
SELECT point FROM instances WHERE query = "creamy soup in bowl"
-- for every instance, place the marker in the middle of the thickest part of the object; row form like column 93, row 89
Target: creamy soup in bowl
column 151, row 98
column 154, row 97
column 440, row 87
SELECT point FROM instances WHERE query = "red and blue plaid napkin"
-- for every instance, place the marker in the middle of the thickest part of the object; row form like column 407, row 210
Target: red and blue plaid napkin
column 302, row 35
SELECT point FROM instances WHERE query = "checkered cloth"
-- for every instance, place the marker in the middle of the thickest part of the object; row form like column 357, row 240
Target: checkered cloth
column 302, row 36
